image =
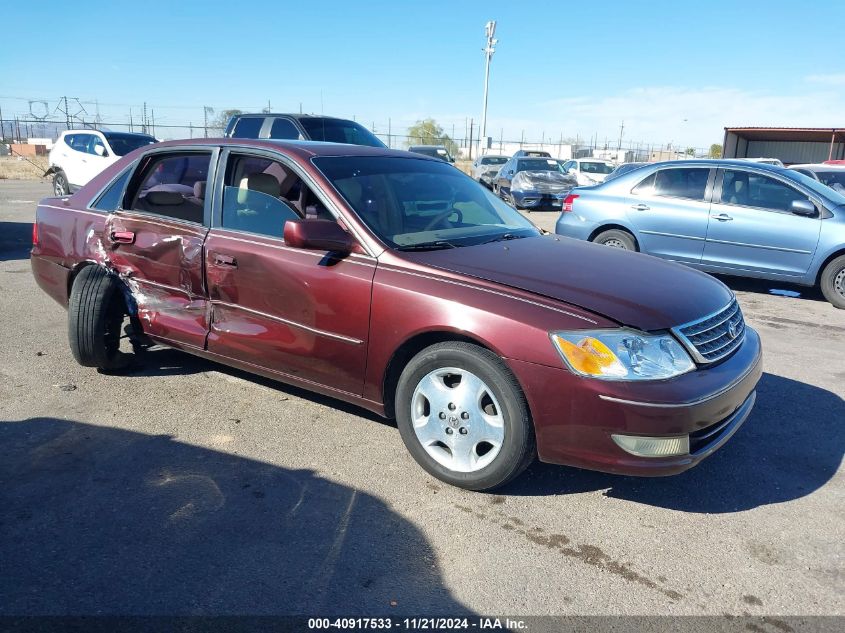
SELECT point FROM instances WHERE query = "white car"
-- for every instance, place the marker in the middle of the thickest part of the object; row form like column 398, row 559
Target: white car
column 831, row 175
column 79, row 155
column 589, row 171
column 766, row 161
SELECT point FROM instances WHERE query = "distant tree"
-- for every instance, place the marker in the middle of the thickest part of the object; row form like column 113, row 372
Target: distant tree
column 428, row 132
column 690, row 151
column 221, row 118
column 715, row 151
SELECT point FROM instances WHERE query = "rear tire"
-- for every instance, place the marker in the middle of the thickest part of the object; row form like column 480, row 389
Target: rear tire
column 60, row 184
column 95, row 317
column 477, row 434
column 833, row 282
column 616, row 238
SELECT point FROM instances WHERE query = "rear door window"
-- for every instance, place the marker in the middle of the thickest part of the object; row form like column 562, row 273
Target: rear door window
column 173, row 185
column 688, row 183
column 284, row 129
column 248, row 127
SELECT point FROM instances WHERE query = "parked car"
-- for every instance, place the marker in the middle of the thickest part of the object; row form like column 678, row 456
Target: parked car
column 831, row 175
column 79, row 155
column 624, row 168
column 533, row 153
column 589, row 171
column 398, row 283
column 485, row 168
column 300, row 127
column 721, row 216
column 434, row 151
column 533, row 183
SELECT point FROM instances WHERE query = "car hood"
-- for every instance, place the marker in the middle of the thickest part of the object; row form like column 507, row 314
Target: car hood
column 632, row 289
column 543, row 181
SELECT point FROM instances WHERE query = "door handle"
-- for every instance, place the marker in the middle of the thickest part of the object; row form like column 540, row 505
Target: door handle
column 722, row 217
column 225, row 260
column 640, row 207
column 122, row 237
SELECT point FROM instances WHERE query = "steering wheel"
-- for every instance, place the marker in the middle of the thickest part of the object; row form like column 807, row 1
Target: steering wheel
column 442, row 216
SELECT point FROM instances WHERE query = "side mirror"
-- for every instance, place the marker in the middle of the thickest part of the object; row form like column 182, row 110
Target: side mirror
column 99, row 150
column 571, row 170
column 803, row 207
column 318, row 235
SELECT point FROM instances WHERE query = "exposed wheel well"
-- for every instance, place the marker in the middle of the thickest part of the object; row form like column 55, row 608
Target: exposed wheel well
column 826, row 262
column 406, row 352
column 129, row 301
column 609, row 227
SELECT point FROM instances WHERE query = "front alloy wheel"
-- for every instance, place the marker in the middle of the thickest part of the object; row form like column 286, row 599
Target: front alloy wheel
column 457, row 419
column 463, row 417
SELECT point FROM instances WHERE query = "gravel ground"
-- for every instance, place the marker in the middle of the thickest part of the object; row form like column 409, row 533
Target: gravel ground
column 190, row 488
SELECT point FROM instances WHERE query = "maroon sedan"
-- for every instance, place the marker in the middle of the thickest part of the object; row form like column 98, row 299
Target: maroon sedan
column 397, row 283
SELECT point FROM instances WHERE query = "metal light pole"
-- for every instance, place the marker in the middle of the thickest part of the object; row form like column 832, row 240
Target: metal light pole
column 488, row 54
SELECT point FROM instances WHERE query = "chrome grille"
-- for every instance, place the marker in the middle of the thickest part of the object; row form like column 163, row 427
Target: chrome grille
column 714, row 337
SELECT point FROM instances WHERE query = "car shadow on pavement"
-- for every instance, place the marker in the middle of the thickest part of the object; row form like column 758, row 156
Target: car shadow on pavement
column 15, row 240
column 768, row 287
column 166, row 361
column 791, row 445
column 100, row 520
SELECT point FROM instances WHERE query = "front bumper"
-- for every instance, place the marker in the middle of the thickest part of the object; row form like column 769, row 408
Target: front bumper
column 536, row 199
column 575, row 417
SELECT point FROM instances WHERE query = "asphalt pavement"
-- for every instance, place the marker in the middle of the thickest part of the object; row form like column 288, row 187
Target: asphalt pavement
column 188, row 488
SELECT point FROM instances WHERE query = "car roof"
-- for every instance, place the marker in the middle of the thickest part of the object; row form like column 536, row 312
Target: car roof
column 302, row 149
column 293, row 115
column 104, row 132
column 818, row 167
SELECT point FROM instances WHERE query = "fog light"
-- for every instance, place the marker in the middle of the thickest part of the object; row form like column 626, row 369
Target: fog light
column 652, row 446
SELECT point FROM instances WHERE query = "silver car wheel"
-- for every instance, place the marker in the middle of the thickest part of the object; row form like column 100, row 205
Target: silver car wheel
column 839, row 282
column 457, row 419
column 614, row 243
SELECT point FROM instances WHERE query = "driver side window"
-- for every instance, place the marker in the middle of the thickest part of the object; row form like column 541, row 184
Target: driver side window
column 260, row 195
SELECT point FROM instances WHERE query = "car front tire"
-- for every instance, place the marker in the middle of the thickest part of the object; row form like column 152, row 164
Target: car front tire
column 616, row 238
column 463, row 416
column 833, row 282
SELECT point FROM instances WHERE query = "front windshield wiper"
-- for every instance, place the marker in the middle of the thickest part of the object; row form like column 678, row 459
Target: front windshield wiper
column 504, row 237
column 428, row 246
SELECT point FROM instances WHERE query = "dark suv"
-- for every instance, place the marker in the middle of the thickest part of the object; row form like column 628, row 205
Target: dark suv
column 301, row 127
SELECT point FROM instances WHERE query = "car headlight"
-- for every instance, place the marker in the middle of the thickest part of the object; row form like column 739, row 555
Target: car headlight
column 622, row 354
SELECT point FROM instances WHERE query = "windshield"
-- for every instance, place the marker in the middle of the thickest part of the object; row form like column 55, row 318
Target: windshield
column 339, row 131
column 122, row 143
column 596, row 168
column 538, row 164
column 494, row 160
column 410, row 202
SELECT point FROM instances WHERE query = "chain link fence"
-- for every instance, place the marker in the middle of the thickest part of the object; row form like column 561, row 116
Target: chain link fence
column 19, row 130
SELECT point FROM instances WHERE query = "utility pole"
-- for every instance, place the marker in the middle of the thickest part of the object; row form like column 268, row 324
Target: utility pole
column 621, row 130
column 144, row 127
column 67, row 114
column 471, row 123
column 389, row 129
column 205, row 110
column 490, row 29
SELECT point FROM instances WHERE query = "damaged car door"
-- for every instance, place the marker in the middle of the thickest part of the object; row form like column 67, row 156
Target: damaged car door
column 154, row 242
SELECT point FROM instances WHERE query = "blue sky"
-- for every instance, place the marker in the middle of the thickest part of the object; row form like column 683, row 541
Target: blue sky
column 674, row 71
